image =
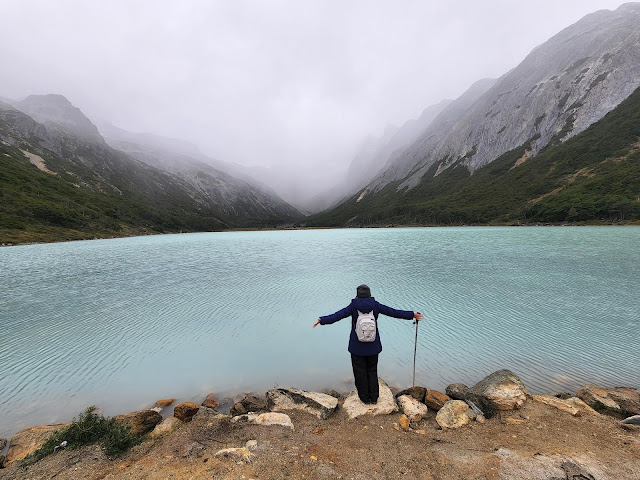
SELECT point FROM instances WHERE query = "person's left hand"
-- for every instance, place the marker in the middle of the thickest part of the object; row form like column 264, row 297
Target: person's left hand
column 316, row 324
column 418, row 316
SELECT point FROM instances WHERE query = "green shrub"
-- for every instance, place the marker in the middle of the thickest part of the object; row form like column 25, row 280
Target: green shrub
column 87, row 429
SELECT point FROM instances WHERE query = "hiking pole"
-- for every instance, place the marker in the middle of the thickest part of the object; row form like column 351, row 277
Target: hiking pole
column 415, row 351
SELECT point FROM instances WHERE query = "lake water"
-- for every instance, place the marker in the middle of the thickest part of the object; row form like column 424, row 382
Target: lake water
column 120, row 323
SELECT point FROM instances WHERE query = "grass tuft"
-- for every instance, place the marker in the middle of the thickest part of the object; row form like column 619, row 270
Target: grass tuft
column 87, row 429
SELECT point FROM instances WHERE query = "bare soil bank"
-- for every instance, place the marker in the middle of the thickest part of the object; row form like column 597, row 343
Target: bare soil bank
column 536, row 442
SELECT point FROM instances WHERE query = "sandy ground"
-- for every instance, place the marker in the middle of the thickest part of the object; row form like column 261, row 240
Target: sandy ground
column 548, row 444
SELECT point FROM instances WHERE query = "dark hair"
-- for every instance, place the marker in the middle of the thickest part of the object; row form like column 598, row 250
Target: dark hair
column 363, row 291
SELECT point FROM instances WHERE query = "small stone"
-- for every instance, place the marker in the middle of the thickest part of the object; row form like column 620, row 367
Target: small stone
column 435, row 399
column 404, row 422
column 454, row 414
column 251, row 445
column 3, row 443
column 412, row 408
column 269, row 418
column 156, row 409
column 185, row 411
column 2, row 461
column 420, row 431
column 167, row 426
column 319, row 431
column 633, row 420
column 333, row 393
column 314, row 458
column 242, row 454
column 457, row 391
column 165, row 402
column 513, row 421
column 211, row 401
column 141, row 422
column 580, row 405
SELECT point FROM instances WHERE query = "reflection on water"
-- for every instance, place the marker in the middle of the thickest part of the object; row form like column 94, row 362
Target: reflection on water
column 121, row 323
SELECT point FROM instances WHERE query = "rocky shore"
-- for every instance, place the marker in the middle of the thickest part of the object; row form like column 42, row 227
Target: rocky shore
column 495, row 429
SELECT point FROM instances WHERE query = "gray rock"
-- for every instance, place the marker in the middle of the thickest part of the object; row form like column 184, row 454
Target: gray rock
column 242, row 454
column 249, row 403
column 319, row 404
column 457, row 391
column 412, row 408
column 269, row 418
column 167, row 426
column 416, row 392
column 621, row 401
column 454, row 414
column 386, row 403
column 502, row 390
column 634, row 420
column 3, row 443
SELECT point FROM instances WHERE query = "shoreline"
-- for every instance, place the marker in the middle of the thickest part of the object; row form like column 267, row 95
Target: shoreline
column 633, row 223
column 319, row 435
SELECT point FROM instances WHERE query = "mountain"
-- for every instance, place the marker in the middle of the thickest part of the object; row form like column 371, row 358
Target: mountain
column 236, row 195
column 559, row 89
column 592, row 177
column 61, row 180
column 376, row 153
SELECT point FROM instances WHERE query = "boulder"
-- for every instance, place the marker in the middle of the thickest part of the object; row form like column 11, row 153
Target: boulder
column 412, row 408
column 416, row 392
column 140, row 422
column 456, row 391
column 634, row 420
column 250, row 403
column 386, row 403
column 185, row 411
column 622, row 401
column 29, row 440
column 211, row 401
column 167, row 426
column 269, row 418
column 454, row 414
column 165, row 402
column 502, row 390
column 319, row 404
column 435, row 399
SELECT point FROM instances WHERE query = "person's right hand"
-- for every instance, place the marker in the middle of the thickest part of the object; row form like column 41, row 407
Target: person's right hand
column 316, row 324
column 418, row 316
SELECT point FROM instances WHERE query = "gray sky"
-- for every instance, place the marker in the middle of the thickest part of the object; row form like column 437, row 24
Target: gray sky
column 291, row 84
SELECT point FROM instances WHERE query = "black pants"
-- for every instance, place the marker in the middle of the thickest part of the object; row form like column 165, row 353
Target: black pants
column 365, row 372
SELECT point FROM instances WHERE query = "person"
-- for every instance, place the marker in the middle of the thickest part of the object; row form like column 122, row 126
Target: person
column 364, row 355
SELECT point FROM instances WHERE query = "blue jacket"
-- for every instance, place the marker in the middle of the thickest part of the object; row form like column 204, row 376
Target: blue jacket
column 365, row 305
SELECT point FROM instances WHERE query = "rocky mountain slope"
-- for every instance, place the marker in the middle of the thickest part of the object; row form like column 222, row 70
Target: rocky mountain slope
column 61, row 180
column 561, row 87
column 592, row 177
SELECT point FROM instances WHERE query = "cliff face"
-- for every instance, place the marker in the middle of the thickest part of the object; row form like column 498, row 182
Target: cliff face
column 560, row 88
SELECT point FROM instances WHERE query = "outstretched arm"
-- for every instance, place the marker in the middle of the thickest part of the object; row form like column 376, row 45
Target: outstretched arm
column 392, row 312
column 334, row 317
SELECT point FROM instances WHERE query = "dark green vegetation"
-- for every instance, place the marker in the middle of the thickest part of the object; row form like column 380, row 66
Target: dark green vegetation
column 593, row 177
column 88, row 428
column 96, row 191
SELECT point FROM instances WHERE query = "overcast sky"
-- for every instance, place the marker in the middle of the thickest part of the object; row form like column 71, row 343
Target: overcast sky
column 276, row 83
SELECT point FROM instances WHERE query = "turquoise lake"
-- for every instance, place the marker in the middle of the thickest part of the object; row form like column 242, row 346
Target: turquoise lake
column 121, row 323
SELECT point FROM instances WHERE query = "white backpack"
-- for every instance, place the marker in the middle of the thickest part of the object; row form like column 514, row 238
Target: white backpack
column 366, row 327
